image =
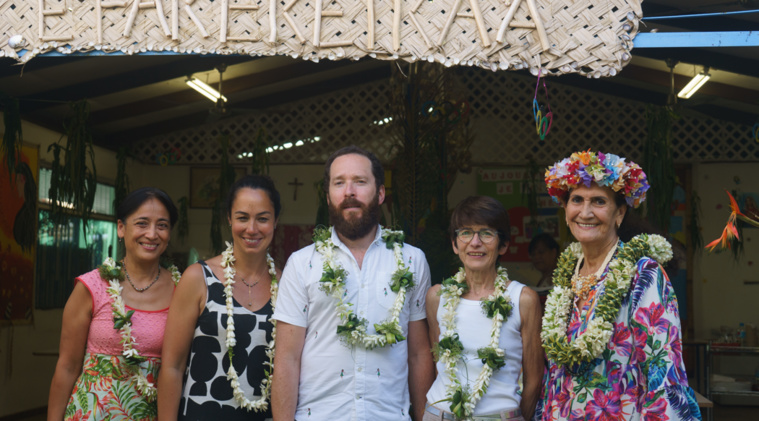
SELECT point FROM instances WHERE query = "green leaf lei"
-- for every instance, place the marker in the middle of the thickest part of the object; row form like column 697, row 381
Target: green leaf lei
column 591, row 343
column 449, row 350
column 353, row 330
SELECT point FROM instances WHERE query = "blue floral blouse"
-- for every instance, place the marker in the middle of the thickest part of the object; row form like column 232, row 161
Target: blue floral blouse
column 640, row 374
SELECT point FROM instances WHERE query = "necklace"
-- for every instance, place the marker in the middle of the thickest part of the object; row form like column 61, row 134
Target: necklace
column 449, row 350
column 228, row 264
column 144, row 288
column 591, row 343
column 250, row 290
column 581, row 285
column 122, row 320
column 353, row 331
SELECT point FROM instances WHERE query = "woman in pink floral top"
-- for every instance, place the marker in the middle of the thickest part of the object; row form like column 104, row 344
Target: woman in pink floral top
column 611, row 328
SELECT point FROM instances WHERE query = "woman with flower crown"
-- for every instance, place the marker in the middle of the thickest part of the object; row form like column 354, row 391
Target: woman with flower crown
column 219, row 336
column 611, row 329
column 113, row 322
column 484, row 328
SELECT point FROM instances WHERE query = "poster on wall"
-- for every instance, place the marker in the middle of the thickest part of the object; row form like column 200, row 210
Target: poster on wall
column 18, row 228
column 507, row 186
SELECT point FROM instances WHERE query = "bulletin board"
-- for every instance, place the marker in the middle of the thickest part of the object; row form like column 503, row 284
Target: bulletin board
column 507, row 185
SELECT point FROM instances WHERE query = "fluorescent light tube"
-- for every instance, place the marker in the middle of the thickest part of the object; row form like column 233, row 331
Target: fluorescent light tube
column 205, row 90
column 694, row 85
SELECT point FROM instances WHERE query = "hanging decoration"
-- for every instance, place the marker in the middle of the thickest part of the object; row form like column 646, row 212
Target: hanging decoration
column 731, row 234
column 73, row 178
column 543, row 118
column 431, row 134
column 260, row 162
column 122, row 179
column 659, row 164
column 490, row 34
column 226, row 178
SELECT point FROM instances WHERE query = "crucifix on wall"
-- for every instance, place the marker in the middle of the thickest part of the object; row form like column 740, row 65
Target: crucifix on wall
column 295, row 183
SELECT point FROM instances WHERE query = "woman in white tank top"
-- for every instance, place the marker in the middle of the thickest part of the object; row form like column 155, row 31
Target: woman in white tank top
column 484, row 328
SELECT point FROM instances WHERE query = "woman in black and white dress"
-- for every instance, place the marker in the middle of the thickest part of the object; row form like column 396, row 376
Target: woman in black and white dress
column 200, row 343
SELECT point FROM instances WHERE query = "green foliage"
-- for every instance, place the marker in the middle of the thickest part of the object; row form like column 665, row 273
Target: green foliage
column 12, row 137
column 226, row 178
column 498, row 305
column 260, row 162
column 658, row 164
column 322, row 212
column 392, row 332
column 491, row 358
column 122, row 179
column 73, row 181
column 431, row 138
column 448, row 343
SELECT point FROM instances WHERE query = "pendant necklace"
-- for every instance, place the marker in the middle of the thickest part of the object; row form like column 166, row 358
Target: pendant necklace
column 250, row 290
column 145, row 288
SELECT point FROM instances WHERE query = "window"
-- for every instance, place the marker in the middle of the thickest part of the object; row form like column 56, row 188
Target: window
column 65, row 251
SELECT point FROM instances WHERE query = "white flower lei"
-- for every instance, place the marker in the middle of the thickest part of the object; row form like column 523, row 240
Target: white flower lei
column 122, row 321
column 353, row 331
column 452, row 292
column 591, row 343
column 262, row 403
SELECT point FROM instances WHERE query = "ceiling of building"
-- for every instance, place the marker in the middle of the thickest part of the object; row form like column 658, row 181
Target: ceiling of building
column 134, row 97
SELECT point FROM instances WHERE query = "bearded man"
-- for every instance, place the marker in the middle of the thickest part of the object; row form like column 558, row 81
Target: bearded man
column 352, row 340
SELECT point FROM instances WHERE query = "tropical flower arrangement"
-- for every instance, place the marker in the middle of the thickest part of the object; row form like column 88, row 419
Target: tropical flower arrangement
column 730, row 232
column 590, row 344
column 606, row 170
column 353, row 331
column 228, row 264
column 450, row 350
column 122, row 321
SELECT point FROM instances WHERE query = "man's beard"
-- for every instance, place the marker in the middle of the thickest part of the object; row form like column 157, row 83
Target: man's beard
column 355, row 227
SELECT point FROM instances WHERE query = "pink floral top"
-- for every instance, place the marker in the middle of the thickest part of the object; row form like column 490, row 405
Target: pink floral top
column 640, row 374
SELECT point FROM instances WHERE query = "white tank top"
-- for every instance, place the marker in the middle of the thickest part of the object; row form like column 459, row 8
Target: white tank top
column 473, row 328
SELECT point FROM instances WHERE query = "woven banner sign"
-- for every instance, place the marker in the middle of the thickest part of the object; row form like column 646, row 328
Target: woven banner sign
column 591, row 37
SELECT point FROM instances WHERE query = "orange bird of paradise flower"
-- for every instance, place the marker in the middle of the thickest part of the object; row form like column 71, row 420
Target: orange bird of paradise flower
column 730, row 230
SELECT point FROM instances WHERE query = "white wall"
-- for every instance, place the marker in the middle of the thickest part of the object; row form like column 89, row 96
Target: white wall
column 720, row 295
column 25, row 377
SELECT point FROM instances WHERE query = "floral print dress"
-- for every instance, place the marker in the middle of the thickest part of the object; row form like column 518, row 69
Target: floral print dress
column 107, row 388
column 640, row 375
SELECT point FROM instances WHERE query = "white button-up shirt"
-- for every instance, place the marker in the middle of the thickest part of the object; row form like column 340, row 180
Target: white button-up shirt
column 338, row 382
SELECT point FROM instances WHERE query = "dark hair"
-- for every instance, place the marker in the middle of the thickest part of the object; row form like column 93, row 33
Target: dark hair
column 136, row 198
column 545, row 239
column 481, row 210
column 254, row 181
column 30, row 187
column 377, row 170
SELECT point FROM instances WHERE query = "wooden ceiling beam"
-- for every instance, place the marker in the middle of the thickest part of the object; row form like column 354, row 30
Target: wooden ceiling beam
column 113, row 141
column 230, row 86
column 183, row 66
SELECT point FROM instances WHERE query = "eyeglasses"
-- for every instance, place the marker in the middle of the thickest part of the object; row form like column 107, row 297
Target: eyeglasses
column 486, row 235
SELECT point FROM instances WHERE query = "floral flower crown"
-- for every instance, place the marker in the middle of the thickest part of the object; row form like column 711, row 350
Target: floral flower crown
column 606, row 170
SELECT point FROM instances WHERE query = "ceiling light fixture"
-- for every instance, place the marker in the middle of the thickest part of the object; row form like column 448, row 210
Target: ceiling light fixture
column 695, row 84
column 205, row 90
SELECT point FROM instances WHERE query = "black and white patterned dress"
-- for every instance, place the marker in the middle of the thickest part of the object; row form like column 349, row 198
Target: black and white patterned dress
column 207, row 394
